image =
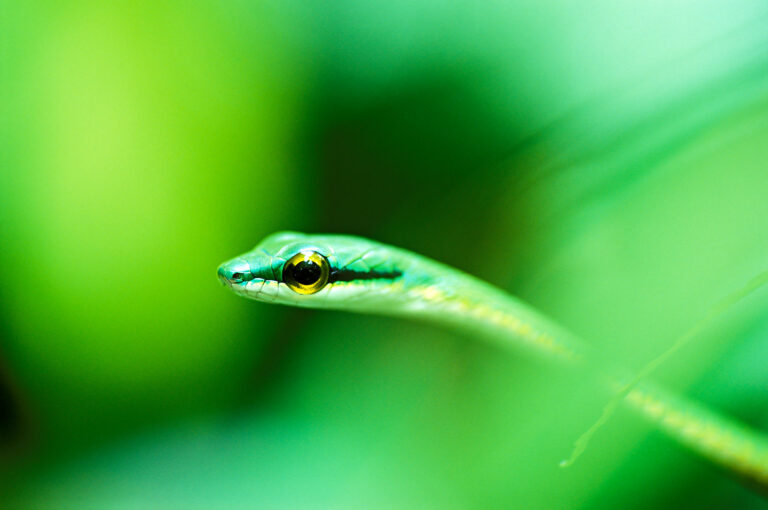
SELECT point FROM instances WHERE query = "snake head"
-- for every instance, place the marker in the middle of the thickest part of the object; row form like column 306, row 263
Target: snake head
column 316, row 271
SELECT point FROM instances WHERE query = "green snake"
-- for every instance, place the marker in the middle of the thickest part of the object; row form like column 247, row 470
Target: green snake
column 359, row 275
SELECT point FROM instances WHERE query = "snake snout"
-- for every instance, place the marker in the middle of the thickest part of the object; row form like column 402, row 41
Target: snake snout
column 222, row 275
column 235, row 271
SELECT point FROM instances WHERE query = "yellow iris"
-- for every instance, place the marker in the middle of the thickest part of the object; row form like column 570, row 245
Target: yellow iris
column 306, row 272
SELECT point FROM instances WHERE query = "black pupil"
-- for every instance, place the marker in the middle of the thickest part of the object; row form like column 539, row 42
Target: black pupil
column 306, row 272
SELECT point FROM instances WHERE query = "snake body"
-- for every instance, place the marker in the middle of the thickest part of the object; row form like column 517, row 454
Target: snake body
column 359, row 275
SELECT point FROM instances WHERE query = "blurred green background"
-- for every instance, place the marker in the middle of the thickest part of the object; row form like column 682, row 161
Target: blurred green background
column 606, row 161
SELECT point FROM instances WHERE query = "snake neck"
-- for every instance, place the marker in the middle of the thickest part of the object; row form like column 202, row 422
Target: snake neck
column 474, row 306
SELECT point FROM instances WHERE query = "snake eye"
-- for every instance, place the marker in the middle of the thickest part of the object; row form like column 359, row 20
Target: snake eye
column 306, row 272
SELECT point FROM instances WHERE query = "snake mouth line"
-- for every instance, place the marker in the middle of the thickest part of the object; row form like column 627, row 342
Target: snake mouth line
column 336, row 276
